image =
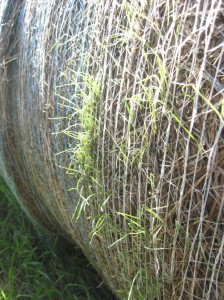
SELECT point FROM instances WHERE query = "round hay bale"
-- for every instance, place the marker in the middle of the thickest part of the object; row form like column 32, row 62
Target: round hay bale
column 112, row 120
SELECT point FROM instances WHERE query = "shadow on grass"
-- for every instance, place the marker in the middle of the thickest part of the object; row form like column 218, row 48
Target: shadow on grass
column 34, row 266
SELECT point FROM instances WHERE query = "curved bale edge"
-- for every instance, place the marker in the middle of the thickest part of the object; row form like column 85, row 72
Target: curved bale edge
column 124, row 148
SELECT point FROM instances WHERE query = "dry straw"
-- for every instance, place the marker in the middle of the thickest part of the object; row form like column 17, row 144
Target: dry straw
column 112, row 116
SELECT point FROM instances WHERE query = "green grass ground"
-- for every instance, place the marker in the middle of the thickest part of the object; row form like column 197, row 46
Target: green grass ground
column 34, row 267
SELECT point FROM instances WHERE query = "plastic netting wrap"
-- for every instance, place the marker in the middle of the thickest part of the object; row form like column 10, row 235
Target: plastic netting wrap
column 112, row 120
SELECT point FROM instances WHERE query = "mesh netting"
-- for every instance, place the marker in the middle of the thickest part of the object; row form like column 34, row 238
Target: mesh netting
column 112, row 132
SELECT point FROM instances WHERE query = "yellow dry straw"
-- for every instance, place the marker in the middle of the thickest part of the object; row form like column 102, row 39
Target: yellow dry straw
column 112, row 132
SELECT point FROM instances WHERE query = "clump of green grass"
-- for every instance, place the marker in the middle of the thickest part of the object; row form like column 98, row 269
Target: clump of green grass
column 36, row 266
